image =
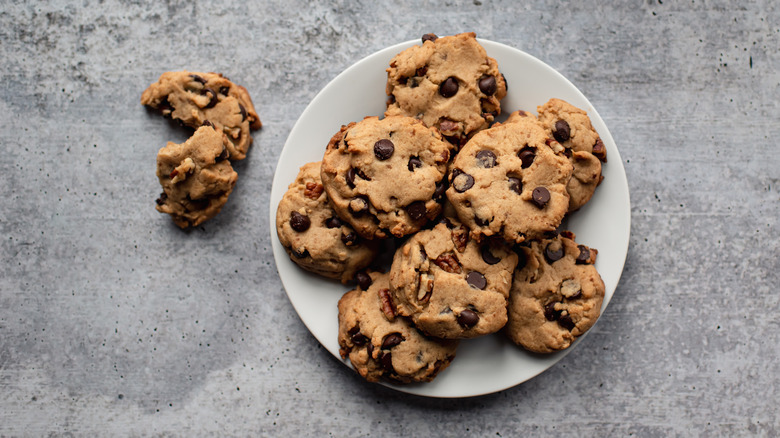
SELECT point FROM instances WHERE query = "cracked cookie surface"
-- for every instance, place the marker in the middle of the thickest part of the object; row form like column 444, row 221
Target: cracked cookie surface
column 196, row 178
column 509, row 181
column 556, row 294
column 451, row 286
column 447, row 82
column 381, row 344
column 571, row 127
column 195, row 99
column 386, row 177
column 314, row 236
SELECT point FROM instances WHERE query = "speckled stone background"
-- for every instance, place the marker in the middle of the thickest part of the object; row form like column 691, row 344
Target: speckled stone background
column 115, row 322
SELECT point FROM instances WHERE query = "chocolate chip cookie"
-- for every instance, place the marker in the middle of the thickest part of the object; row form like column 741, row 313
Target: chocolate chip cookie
column 196, row 99
column 509, row 181
column 314, row 236
column 196, row 178
column 381, row 344
column 571, row 127
column 386, row 177
column 556, row 295
column 450, row 285
column 447, row 82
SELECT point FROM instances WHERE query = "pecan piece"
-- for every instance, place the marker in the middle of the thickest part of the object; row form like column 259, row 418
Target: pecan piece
column 449, row 263
column 460, row 237
column 386, row 302
column 313, row 190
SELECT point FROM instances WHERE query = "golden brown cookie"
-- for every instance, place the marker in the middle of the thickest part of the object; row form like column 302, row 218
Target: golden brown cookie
column 447, row 82
column 196, row 178
column 381, row 344
column 385, row 177
column 195, row 99
column 556, row 295
column 314, row 236
column 571, row 127
column 451, row 286
column 508, row 181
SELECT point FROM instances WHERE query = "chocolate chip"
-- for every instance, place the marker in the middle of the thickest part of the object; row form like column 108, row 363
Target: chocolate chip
column 207, row 123
column 562, row 131
column 414, row 163
column 441, row 188
column 358, row 338
column 462, row 182
column 551, row 254
column 212, row 96
column 243, row 112
column 540, row 196
column 583, row 256
column 486, row 159
column 392, row 340
column 359, row 205
column 351, row 177
column 527, row 156
column 386, row 359
column 349, row 238
column 449, row 87
column 429, row 37
column 222, row 155
column 301, row 255
column 476, row 280
column 515, row 185
column 566, row 322
column 468, row 318
column 333, row 222
column 506, row 84
column 487, row 84
column 363, row 280
column 224, row 91
column 370, row 349
column 416, row 210
column 383, row 149
column 161, row 200
column 488, row 256
column 550, row 313
column 299, row 222
column 197, row 78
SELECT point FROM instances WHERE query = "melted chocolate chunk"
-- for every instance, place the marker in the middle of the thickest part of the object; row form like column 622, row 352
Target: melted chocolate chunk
column 583, row 256
column 299, row 222
column 540, row 197
column 363, row 280
column 562, row 131
column 527, row 156
column 468, row 318
column 476, row 280
column 553, row 255
column 416, row 210
column 414, row 163
column 488, row 256
column 515, row 185
column 383, row 149
column 487, row 85
column 392, row 340
column 429, row 37
column 449, row 87
column 486, row 159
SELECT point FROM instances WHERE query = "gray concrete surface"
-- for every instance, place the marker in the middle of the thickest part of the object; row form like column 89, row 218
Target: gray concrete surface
column 115, row 322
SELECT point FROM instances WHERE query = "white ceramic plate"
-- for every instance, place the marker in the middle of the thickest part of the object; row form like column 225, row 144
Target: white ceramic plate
column 487, row 364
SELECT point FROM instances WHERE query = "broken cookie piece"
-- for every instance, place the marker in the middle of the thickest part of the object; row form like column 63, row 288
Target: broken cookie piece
column 197, row 99
column 196, row 178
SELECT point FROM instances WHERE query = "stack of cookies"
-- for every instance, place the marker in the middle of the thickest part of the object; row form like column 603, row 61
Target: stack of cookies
column 196, row 176
column 470, row 207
